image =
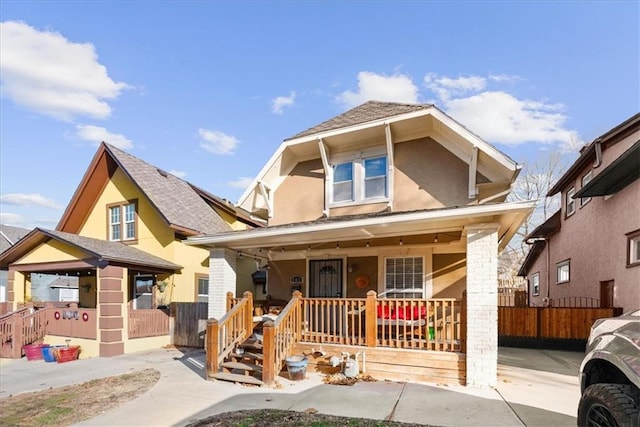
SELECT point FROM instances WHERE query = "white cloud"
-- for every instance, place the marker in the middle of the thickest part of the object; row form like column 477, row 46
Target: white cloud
column 378, row 87
column 46, row 73
column 498, row 116
column 19, row 199
column 280, row 102
column 179, row 174
column 217, row 142
column 11, row 219
column 242, row 182
column 97, row 134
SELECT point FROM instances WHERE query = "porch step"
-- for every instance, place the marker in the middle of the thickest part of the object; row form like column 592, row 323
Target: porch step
column 248, row 368
column 251, row 345
column 254, row 357
column 236, row 378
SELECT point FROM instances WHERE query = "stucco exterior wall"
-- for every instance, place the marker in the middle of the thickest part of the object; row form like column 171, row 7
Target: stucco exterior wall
column 449, row 275
column 279, row 278
column 427, row 176
column 594, row 240
column 367, row 266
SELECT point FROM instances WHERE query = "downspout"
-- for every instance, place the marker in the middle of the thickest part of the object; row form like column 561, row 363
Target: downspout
column 548, row 244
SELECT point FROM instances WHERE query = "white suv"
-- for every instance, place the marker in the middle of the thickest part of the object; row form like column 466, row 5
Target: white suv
column 610, row 373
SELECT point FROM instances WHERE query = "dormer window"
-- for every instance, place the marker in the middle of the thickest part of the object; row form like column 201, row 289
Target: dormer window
column 360, row 180
column 122, row 222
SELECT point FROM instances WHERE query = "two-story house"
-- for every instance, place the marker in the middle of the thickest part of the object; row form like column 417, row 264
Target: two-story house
column 396, row 198
column 588, row 253
column 122, row 238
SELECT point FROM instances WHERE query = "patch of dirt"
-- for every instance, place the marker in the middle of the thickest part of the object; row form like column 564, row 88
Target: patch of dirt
column 68, row 405
column 279, row 418
column 342, row 379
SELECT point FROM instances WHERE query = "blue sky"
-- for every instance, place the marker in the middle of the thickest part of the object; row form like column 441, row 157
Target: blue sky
column 208, row 90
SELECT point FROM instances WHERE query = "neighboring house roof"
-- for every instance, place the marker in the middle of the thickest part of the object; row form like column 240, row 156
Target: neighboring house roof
column 620, row 173
column 591, row 152
column 181, row 205
column 371, row 110
column 9, row 236
column 368, row 122
column 101, row 250
column 537, row 238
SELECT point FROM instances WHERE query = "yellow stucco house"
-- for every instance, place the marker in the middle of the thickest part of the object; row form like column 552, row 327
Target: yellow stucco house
column 122, row 236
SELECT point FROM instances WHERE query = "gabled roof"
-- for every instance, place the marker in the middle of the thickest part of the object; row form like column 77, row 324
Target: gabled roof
column 9, row 236
column 365, row 124
column 175, row 200
column 371, row 110
column 538, row 239
column 589, row 153
column 100, row 250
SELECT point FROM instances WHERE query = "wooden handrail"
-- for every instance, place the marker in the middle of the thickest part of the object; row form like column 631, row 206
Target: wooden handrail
column 279, row 337
column 231, row 330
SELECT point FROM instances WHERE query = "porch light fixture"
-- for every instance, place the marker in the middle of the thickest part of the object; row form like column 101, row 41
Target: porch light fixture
column 337, row 245
column 368, row 244
column 401, row 242
column 282, row 249
column 435, row 240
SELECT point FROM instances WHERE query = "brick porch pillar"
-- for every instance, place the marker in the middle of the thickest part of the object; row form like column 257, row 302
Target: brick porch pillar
column 482, row 305
column 222, row 279
column 112, row 296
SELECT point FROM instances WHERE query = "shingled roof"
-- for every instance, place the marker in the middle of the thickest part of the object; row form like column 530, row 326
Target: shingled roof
column 99, row 249
column 367, row 112
column 174, row 198
column 9, row 236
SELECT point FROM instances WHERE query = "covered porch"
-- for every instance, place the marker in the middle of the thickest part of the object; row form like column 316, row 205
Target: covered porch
column 390, row 283
column 120, row 294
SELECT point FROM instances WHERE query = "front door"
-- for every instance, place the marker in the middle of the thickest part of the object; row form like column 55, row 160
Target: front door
column 325, row 278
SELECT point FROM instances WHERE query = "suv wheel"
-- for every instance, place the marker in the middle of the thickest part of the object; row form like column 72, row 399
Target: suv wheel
column 608, row 405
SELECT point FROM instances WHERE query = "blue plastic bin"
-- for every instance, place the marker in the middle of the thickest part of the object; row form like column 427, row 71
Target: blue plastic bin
column 48, row 353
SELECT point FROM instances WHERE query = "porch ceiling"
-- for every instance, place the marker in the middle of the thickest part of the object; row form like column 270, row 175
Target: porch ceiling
column 413, row 228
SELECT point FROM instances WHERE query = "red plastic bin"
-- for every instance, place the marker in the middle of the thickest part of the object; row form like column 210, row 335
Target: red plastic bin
column 67, row 354
column 33, row 351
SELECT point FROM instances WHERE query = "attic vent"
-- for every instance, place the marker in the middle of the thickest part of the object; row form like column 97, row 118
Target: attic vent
column 163, row 173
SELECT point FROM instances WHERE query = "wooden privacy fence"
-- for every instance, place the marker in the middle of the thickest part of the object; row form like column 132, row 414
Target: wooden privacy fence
column 145, row 323
column 550, row 322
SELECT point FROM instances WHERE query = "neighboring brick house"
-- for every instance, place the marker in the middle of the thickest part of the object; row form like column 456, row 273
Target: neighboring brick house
column 396, row 198
column 122, row 236
column 588, row 253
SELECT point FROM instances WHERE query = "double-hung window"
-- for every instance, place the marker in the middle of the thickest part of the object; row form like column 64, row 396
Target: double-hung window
column 122, row 222
column 404, row 277
column 360, row 180
column 563, row 270
column 535, row 284
column 633, row 249
column 570, row 203
column 203, row 288
column 143, row 292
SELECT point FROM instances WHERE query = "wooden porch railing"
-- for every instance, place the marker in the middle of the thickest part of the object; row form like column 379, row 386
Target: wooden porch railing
column 279, row 338
column 225, row 334
column 430, row 324
column 19, row 328
column 145, row 323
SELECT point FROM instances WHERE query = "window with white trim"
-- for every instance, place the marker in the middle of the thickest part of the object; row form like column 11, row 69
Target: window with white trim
column 360, row 179
column 203, row 289
column 633, row 249
column 404, row 277
column 122, row 222
column 585, row 181
column 535, row 284
column 570, row 203
column 562, row 271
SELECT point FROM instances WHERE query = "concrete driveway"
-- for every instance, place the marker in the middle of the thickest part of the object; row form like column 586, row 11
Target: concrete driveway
column 535, row 388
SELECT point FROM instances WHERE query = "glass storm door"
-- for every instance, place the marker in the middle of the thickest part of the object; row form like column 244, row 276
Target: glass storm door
column 325, row 278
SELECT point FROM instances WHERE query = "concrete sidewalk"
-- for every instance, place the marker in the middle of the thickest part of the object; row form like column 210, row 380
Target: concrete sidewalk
column 535, row 387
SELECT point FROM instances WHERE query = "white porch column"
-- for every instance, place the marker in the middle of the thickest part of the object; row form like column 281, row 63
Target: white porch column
column 222, row 279
column 482, row 305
